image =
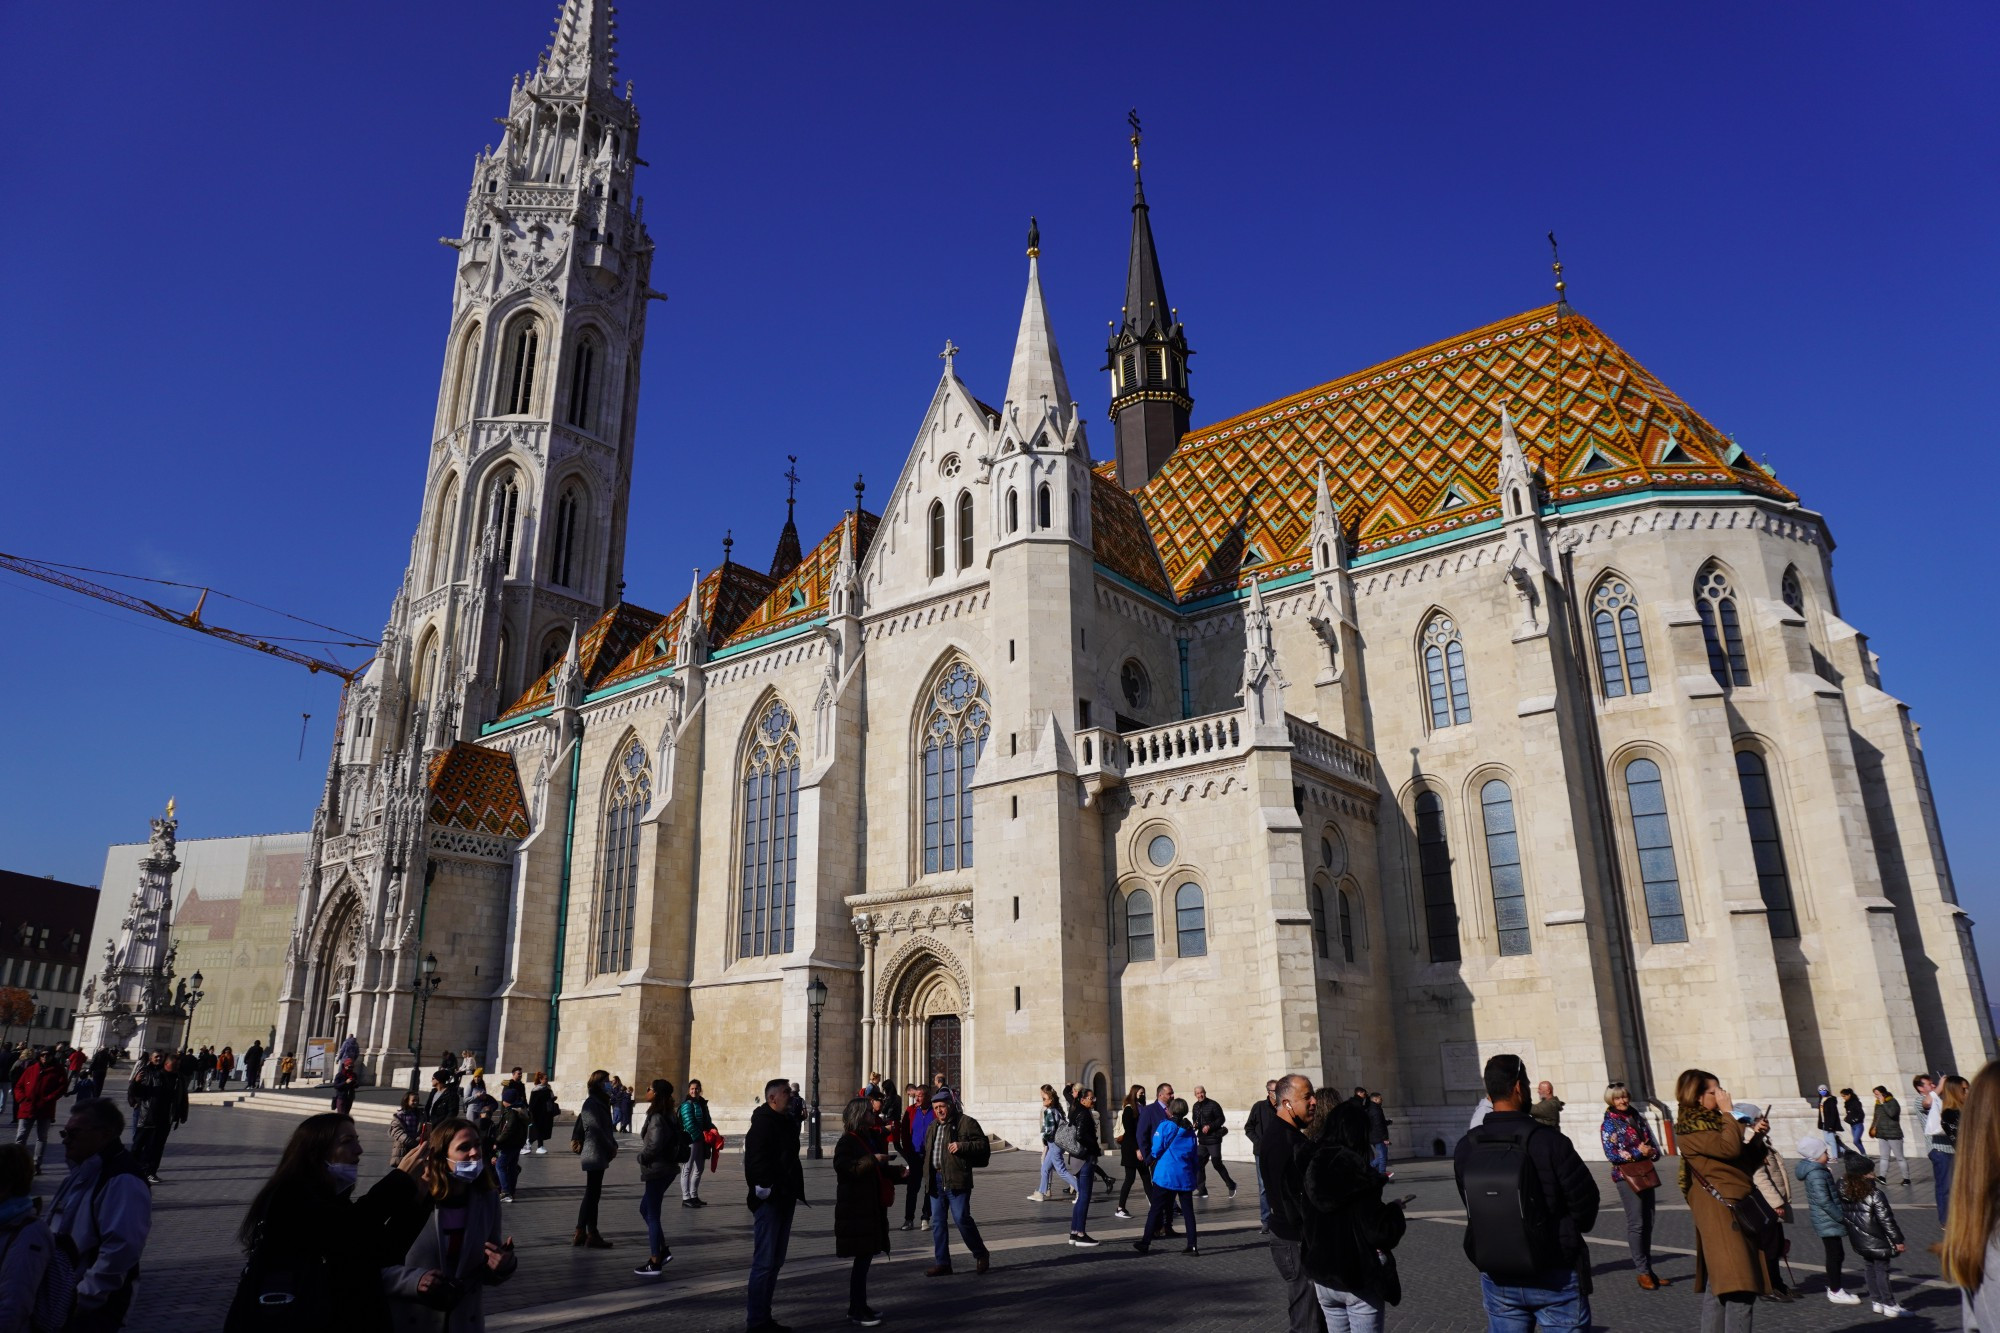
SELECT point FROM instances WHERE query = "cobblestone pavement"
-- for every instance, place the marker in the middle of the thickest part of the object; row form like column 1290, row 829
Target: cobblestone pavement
column 216, row 1162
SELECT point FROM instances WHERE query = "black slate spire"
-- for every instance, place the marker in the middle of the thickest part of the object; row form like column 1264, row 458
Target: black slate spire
column 1148, row 354
column 786, row 558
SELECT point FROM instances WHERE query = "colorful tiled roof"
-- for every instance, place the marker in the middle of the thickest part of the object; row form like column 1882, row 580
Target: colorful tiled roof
column 479, row 789
column 728, row 594
column 804, row 593
column 1119, row 537
column 603, row 645
column 1412, row 449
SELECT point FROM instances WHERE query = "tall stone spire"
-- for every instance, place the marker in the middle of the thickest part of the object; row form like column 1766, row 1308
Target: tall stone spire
column 786, row 558
column 584, row 44
column 1035, row 383
column 1148, row 354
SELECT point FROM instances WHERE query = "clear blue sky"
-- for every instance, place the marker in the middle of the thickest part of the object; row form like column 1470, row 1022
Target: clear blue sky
column 228, row 304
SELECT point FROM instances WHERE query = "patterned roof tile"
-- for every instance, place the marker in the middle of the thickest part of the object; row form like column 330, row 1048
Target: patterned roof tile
column 804, row 593
column 1119, row 537
column 603, row 646
column 475, row 788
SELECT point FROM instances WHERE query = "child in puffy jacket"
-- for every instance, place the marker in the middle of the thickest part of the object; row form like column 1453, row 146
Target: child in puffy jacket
column 1176, row 1160
column 1871, row 1226
column 1823, row 1204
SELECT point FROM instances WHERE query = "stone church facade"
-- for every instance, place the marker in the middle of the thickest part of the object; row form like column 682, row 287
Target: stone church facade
column 1487, row 698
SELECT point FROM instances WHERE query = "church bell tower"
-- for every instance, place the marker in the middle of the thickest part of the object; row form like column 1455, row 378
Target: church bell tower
column 1148, row 355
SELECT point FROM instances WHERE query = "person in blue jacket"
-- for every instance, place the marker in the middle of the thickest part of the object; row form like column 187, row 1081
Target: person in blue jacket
column 1176, row 1158
column 1151, row 1116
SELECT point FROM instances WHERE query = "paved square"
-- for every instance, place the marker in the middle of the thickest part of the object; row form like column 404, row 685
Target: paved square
column 219, row 1158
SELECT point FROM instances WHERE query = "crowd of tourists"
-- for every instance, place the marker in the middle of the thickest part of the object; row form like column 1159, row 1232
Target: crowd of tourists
column 415, row 1247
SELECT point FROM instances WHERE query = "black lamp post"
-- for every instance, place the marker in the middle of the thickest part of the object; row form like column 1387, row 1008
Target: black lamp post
column 423, row 986
column 816, row 1001
column 193, row 999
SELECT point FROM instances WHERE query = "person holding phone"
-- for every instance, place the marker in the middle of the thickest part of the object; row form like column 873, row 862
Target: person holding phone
column 1633, row 1153
column 459, row 1251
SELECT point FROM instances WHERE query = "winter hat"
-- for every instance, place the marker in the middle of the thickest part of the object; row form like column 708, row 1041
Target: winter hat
column 941, row 1095
column 1857, row 1165
column 1811, row 1145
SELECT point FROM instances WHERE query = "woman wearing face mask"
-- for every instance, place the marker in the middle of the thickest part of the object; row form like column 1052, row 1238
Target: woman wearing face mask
column 593, row 1141
column 458, row 1251
column 316, row 1250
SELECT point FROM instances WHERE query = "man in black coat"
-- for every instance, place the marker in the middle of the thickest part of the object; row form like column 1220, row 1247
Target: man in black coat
column 775, row 1184
column 151, row 1095
column 1210, row 1128
column 1283, row 1153
column 443, row 1103
column 1254, row 1125
column 1559, row 1293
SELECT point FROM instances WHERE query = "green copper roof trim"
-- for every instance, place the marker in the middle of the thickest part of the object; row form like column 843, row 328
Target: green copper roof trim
column 761, row 640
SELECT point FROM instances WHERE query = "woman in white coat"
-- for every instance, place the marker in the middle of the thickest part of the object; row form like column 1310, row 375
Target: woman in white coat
column 439, row 1286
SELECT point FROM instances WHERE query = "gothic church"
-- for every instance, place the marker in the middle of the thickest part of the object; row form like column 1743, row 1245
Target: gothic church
column 1486, row 698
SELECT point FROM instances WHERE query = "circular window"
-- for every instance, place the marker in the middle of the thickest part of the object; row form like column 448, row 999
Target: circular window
column 948, row 465
column 1132, row 681
column 1160, row 851
column 1333, row 851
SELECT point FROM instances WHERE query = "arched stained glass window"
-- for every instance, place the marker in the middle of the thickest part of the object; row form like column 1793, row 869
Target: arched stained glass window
column 1721, row 630
column 521, row 348
column 770, row 836
column 1791, row 591
column 583, row 384
column 1444, row 673
column 1346, row 927
column 1767, row 844
column 562, row 547
column 1434, row 865
column 503, row 506
column 1659, row 875
column 953, row 735
column 964, row 529
column 1621, row 653
column 1190, row 922
column 1139, row 926
column 1503, row 866
column 618, row 871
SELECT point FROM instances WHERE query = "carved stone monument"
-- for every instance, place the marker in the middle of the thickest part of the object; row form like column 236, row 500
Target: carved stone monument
column 131, row 1005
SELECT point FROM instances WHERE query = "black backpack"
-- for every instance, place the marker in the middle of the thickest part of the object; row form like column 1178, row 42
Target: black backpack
column 1510, row 1234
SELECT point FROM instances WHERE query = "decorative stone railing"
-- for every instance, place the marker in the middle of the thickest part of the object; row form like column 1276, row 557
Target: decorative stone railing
column 1327, row 752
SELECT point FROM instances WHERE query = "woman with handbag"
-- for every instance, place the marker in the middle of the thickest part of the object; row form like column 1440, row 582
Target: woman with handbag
column 663, row 1146
column 315, row 1252
column 864, row 1187
column 437, row 1284
column 1628, row 1144
column 594, row 1141
column 1352, row 1233
column 542, row 1113
column 1733, row 1226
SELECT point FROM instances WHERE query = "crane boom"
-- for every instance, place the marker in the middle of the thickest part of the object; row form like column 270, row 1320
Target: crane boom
column 37, row 569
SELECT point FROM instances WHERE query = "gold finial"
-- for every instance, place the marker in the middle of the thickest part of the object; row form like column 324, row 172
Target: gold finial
column 1132, row 119
column 170, row 807
column 1561, row 286
column 1034, row 238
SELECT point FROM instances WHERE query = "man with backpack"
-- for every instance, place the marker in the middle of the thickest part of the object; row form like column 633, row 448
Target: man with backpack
column 1529, row 1202
column 99, row 1220
column 510, row 1135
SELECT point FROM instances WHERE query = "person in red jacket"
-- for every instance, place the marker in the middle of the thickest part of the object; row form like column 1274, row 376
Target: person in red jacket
column 36, row 1091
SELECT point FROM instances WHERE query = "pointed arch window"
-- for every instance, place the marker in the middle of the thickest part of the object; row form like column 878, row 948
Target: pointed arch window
column 1139, row 926
column 1790, row 589
column 1434, row 866
column 427, row 669
column 1319, row 923
column 1346, row 926
column 954, row 732
column 1190, row 922
column 1013, row 511
column 1503, row 867
column 618, row 877
column 1444, row 673
column 520, row 351
column 1767, row 845
column 562, row 548
column 1042, row 507
column 964, row 529
column 466, row 370
column 1721, row 630
column 583, row 385
column 553, row 648
column 1659, row 875
column 441, row 529
column 935, row 530
column 503, row 506
column 1621, row 652
column 766, row 922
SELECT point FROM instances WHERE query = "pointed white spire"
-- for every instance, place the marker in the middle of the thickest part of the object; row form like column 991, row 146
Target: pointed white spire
column 582, row 45
column 1329, row 543
column 693, row 645
column 1519, row 493
column 567, row 687
column 1263, row 679
column 1035, row 382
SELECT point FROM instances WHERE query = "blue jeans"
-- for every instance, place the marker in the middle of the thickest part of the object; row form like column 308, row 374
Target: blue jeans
column 1941, row 1168
column 1855, row 1129
column 1554, row 1304
column 1263, row 1200
column 1347, row 1313
column 1381, row 1153
column 649, row 1208
column 1079, row 1214
column 771, row 1232
column 1052, row 1160
column 948, row 1206
column 507, row 1165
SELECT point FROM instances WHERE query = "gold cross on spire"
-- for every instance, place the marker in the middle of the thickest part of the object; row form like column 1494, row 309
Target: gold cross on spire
column 1132, row 119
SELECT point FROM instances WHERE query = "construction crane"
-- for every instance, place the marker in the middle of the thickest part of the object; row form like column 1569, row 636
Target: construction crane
column 68, row 577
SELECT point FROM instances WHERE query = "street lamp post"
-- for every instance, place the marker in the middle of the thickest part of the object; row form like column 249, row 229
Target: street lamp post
column 193, row 1000
column 423, row 986
column 816, row 1001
